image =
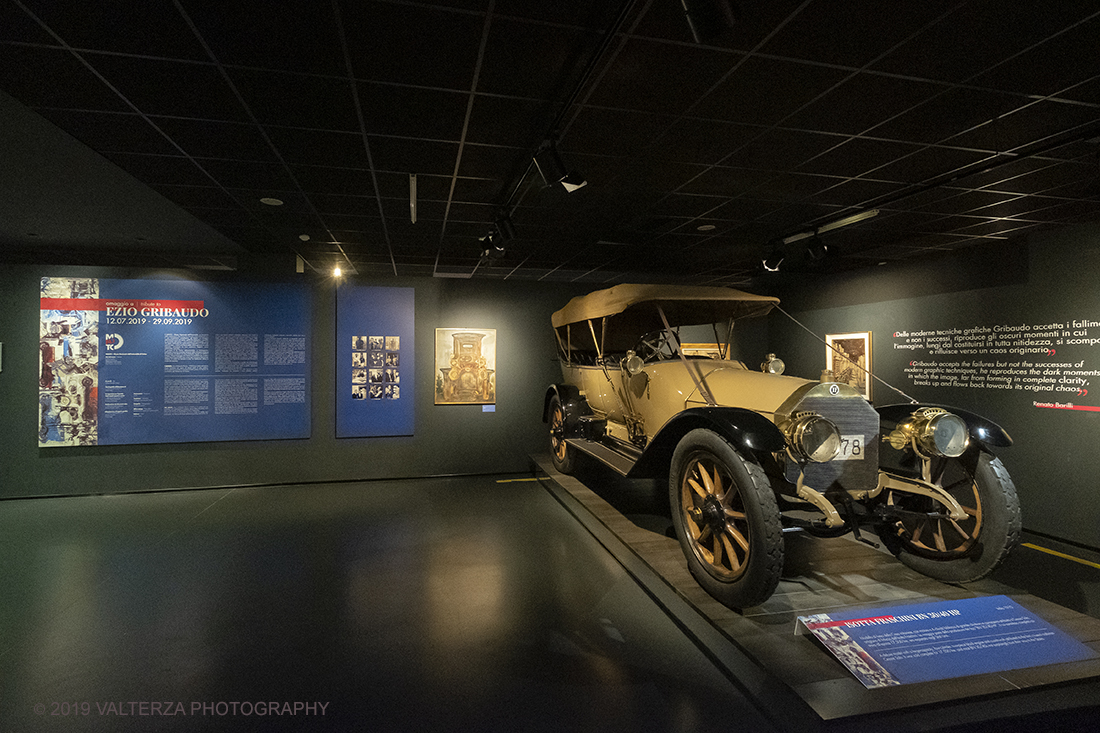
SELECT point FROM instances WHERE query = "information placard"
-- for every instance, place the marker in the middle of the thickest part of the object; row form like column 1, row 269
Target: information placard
column 942, row 640
column 169, row 361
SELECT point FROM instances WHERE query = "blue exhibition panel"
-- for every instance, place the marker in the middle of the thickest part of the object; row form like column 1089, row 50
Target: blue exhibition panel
column 374, row 361
column 171, row 361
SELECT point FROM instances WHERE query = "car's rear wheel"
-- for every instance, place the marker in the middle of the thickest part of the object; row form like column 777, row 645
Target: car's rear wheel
column 726, row 518
column 957, row 551
column 562, row 455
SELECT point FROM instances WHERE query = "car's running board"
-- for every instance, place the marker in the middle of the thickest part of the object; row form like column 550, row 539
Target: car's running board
column 604, row 454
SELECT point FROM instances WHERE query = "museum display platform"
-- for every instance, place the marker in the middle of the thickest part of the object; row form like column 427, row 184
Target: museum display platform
column 791, row 673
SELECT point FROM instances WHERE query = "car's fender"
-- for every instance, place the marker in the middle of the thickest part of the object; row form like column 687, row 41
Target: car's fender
column 744, row 429
column 982, row 429
column 571, row 401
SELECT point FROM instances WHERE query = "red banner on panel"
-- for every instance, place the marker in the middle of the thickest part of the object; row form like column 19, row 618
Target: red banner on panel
column 102, row 304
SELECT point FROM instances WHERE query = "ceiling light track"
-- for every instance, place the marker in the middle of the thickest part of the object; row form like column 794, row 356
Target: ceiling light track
column 830, row 226
column 546, row 159
column 815, row 248
column 1082, row 133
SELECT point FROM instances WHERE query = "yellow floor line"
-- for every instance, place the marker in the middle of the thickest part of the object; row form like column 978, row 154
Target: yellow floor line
column 513, row 480
column 1062, row 554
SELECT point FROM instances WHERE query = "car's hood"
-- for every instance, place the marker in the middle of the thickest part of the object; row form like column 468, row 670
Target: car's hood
column 735, row 386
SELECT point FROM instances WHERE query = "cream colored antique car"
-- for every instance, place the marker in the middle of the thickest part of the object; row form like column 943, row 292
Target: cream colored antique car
column 752, row 453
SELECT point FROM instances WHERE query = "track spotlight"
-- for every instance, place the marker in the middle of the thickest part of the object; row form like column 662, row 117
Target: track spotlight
column 550, row 165
column 573, row 181
column 813, row 249
column 492, row 246
column 816, row 249
column 553, row 170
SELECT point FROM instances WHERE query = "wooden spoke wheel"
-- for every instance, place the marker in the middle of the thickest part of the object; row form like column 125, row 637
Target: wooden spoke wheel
column 726, row 519
column 714, row 516
column 959, row 551
column 563, row 457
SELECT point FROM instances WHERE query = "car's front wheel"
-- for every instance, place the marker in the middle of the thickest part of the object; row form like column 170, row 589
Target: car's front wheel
column 562, row 455
column 957, row 551
column 726, row 518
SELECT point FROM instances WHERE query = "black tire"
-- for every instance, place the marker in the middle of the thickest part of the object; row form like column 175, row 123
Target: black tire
column 726, row 518
column 562, row 455
column 959, row 552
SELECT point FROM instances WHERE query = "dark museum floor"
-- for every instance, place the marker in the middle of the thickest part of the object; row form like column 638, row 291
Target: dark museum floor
column 450, row 604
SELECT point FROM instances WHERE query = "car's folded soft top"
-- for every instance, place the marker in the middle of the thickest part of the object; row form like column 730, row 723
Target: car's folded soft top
column 684, row 305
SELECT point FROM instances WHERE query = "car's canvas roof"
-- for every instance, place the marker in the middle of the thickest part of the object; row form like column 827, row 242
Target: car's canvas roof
column 684, row 305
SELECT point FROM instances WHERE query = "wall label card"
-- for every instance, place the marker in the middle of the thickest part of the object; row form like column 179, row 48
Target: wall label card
column 942, row 640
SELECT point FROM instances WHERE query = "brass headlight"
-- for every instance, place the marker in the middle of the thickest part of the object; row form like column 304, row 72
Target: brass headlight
column 772, row 365
column 813, row 437
column 933, row 431
column 632, row 364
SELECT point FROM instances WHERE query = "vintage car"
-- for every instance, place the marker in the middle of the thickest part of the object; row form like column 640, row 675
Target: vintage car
column 751, row 453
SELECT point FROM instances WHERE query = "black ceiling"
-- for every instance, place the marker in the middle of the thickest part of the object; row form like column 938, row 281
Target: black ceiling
column 960, row 122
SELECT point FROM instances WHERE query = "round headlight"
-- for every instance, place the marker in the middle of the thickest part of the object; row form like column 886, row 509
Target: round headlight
column 772, row 365
column 814, row 438
column 632, row 364
column 945, row 435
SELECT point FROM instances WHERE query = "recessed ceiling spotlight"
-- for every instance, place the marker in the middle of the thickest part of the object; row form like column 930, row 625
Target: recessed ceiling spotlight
column 337, row 272
column 705, row 228
column 271, row 201
column 303, row 237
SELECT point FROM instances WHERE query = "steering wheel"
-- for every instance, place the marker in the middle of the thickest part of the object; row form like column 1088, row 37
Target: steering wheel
column 655, row 345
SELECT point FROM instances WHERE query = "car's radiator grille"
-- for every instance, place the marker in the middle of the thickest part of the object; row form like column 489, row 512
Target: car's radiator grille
column 857, row 467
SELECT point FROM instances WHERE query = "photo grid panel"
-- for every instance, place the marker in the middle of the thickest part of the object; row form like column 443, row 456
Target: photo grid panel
column 376, row 372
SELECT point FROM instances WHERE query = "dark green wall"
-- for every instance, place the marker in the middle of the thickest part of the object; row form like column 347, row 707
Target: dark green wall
column 454, row 439
column 1049, row 277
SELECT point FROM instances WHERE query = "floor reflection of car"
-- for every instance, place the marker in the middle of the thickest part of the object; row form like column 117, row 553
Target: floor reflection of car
column 751, row 453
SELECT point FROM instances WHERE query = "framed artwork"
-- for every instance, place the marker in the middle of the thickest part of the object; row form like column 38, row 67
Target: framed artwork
column 848, row 356
column 465, row 366
column 713, row 351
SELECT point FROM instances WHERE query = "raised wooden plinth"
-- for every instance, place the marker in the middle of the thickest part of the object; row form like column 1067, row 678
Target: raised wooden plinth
column 823, row 575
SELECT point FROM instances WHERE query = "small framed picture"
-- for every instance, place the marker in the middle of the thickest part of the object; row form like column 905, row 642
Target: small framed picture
column 711, row 351
column 848, row 356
